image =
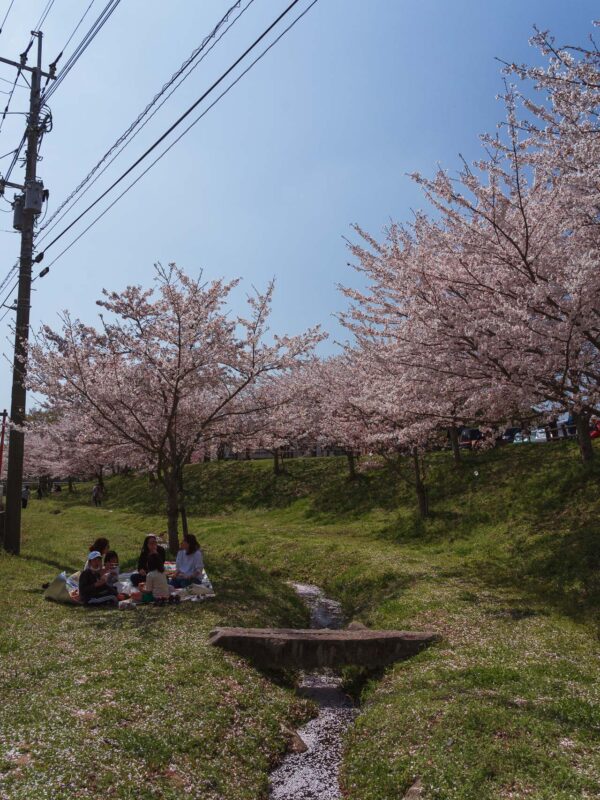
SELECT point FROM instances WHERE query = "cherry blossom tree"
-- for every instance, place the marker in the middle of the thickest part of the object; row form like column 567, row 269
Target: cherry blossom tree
column 70, row 446
column 167, row 367
column 491, row 309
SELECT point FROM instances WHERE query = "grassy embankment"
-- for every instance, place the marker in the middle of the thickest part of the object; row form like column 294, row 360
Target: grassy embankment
column 507, row 570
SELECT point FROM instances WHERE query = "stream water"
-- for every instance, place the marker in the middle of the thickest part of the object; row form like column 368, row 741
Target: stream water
column 313, row 775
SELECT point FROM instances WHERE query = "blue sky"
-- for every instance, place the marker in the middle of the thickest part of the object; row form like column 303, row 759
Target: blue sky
column 321, row 134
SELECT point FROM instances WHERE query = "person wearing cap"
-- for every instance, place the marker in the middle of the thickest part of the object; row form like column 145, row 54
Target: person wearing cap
column 93, row 587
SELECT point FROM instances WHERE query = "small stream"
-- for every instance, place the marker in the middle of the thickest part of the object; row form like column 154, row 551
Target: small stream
column 313, row 775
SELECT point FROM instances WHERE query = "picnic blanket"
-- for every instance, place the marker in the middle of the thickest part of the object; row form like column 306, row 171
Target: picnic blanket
column 65, row 589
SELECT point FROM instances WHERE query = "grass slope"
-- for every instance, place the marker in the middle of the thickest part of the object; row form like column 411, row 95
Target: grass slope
column 507, row 706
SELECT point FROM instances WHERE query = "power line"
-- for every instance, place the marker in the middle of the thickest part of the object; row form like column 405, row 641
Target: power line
column 129, row 135
column 10, row 97
column 45, row 13
column 7, row 277
column 86, row 41
column 97, row 26
column 177, row 122
column 167, row 149
column 15, row 158
column 68, row 42
column 12, row 2
column 7, row 310
column 75, row 29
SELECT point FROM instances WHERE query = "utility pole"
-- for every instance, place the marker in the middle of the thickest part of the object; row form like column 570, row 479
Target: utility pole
column 2, row 432
column 26, row 207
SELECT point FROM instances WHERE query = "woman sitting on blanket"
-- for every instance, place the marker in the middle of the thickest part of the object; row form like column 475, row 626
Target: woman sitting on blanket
column 149, row 548
column 100, row 545
column 93, row 587
column 189, row 564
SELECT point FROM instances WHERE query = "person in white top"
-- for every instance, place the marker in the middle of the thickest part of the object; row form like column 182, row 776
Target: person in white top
column 189, row 563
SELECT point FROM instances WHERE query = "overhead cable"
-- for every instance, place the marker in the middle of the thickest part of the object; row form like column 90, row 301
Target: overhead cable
column 143, row 118
column 181, row 135
column 12, row 2
column 7, row 309
column 101, row 20
column 68, row 42
column 45, row 13
column 10, row 97
column 15, row 158
column 74, row 31
column 7, row 277
column 179, row 120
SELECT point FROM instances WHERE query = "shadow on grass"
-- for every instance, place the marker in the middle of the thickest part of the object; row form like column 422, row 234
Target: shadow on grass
column 561, row 566
column 346, row 498
column 246, row 596
column 51, row 563
column 221, row 487
column 522, row 516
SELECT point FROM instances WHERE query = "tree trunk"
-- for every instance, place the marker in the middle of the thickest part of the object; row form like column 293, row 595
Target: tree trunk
column 582, row 423
column 453, row 434
column 420, row 487
column 70, row 484
column 100, row 477
column 181, row 501
column 351, row 464
column 172, row 515
column 277, row 466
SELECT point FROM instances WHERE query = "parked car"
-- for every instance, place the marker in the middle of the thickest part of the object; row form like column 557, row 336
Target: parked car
column 509, row 434
column 469, row 437
column 538, row 435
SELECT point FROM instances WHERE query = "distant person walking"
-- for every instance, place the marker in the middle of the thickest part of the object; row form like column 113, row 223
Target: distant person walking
column 97, row 495
column 25, row 496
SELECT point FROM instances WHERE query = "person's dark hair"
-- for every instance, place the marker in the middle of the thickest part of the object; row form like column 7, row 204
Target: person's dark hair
column 100, row 545
column 192, row 542
column 111, row 555
column 145, row 547
column 155, row 562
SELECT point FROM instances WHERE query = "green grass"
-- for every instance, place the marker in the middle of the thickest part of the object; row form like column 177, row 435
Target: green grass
column 506, row 569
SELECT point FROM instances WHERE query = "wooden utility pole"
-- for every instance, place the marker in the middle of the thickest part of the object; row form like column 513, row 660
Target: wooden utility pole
column 27, row 207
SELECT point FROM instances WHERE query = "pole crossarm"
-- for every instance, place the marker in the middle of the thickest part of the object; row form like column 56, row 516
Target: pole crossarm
column 22, row 67
column 4, row 184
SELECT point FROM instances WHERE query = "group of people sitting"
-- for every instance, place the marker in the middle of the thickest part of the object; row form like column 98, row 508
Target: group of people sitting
column 98, row 580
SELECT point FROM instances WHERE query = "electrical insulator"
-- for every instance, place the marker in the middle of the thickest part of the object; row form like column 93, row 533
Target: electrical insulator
column 34, row 196
column 18, row 212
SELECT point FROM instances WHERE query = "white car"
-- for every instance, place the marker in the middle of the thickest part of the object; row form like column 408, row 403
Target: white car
column 538, row 435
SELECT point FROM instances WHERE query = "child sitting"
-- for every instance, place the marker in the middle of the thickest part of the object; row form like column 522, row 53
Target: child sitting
column 111, row 568
column 156, row 580
column 92, row 583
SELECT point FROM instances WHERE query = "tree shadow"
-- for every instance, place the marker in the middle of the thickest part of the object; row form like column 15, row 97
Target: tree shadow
column 51, row 563
column 246, row 595
column 559, row 566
